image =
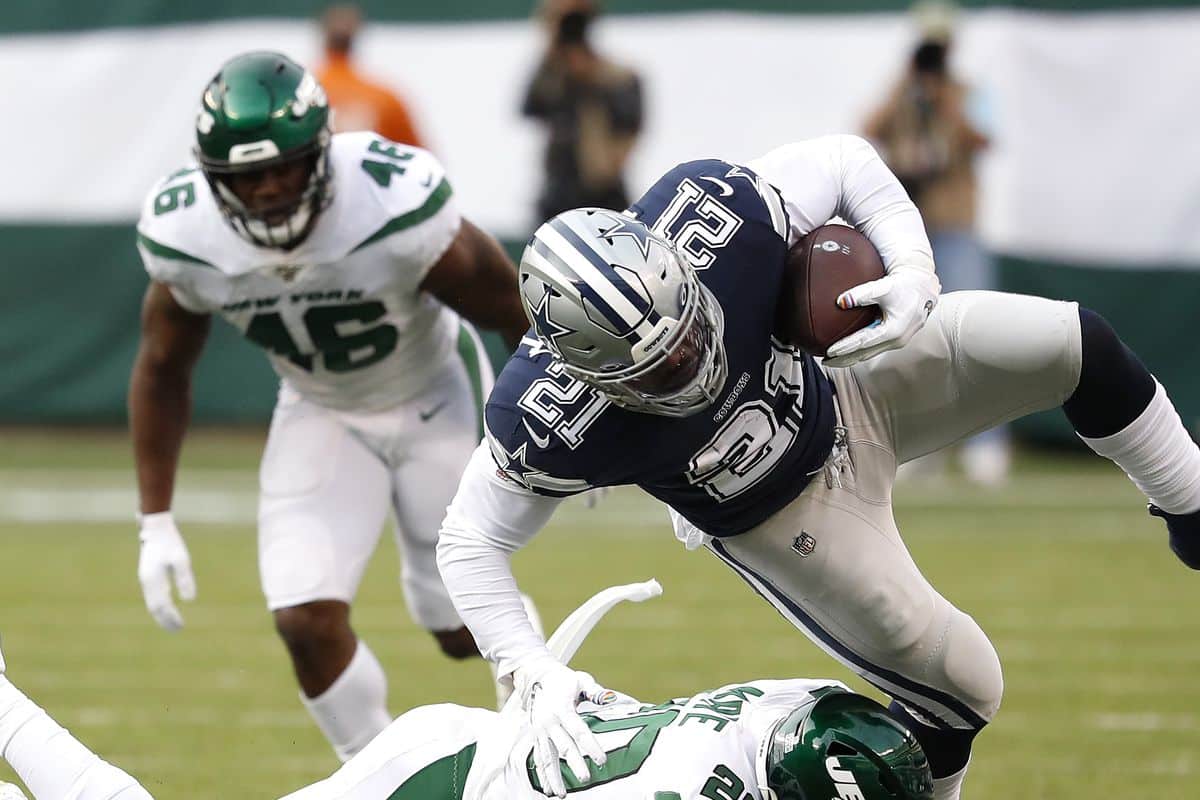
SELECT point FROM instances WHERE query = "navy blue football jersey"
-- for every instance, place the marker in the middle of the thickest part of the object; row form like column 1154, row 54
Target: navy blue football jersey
column 729, row 467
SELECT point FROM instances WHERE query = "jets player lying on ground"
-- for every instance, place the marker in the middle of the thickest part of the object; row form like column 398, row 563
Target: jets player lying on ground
column 654, row 364
column 762, row 740
column 346, row 258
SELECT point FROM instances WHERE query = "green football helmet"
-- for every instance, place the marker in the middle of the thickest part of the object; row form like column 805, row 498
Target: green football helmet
column 263, row 111
column 840, row 745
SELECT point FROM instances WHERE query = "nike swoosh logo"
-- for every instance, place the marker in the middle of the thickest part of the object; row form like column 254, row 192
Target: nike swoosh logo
column 725, row 188
column 541, row 441
column 428, row 180
column 428, row 415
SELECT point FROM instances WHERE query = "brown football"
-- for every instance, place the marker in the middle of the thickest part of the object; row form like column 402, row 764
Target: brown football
column 822, row 265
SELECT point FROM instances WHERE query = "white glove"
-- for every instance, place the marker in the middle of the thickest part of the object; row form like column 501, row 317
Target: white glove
column 905, row 297
column 163, row 556
column 549, row 692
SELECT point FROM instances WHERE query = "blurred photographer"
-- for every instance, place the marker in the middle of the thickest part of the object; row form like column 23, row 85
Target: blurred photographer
column 591, row 109
column 926, row 135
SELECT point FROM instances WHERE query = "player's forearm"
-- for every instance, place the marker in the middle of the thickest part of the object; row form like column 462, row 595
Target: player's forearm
column 159, row 408
column 872, row 199
column 479, row 578
column 831, row 176
column 496, row 304
column 485, row 524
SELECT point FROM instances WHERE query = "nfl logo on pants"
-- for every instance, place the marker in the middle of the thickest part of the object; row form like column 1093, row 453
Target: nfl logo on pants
column 804, row 544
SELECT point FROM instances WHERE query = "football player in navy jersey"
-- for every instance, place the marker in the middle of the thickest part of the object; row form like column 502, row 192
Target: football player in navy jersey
column 652, row 361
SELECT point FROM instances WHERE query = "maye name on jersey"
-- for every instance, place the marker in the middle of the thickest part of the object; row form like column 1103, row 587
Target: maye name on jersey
column 770, row 429
column 340, row 315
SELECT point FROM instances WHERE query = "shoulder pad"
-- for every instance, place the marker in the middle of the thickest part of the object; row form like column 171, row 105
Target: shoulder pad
column 393, row 189
column 180, row 221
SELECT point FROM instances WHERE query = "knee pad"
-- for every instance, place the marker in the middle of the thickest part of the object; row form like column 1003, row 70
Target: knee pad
column 953, row 655
column 1114, row 387
column 969, row 665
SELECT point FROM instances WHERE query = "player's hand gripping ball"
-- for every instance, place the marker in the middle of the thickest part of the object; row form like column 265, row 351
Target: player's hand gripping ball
column 823, row 265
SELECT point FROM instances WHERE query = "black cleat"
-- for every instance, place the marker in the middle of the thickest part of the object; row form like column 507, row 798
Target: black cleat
column 1184, row 530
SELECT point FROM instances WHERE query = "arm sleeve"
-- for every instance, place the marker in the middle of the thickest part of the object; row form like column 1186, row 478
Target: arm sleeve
column 489, row 519
column 843, row 176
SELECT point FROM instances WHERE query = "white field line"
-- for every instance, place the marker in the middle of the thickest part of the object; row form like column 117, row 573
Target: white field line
column 230, row 497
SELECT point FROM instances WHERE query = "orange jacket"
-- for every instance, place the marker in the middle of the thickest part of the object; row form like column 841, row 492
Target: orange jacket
column 361, row 105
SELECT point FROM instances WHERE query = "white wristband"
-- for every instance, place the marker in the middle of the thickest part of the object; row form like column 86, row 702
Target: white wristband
column 156, row 521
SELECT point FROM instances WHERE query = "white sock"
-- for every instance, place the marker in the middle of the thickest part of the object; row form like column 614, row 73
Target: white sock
column 1158, row 456
column 949, row 787
column 53, row 763
column 353, row 710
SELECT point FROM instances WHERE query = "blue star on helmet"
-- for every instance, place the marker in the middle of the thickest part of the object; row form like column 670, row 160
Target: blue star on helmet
column 634, row 229
column 547, row 329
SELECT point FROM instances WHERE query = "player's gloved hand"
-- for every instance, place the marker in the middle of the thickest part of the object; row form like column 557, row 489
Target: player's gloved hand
column 549, row 692
column 905, row 297
column 164, row 556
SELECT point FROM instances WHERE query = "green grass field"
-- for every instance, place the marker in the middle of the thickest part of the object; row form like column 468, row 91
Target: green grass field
column 1094, row 620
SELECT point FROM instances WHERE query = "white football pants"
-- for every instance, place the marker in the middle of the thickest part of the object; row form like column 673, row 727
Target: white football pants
column 833, row 563
column 329, row 477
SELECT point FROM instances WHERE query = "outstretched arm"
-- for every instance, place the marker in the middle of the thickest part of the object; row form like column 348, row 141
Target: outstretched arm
column 489, row 519
column 53, row 763
column 160, row 399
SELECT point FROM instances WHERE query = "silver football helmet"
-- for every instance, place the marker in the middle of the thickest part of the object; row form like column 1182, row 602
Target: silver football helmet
column 623, row 311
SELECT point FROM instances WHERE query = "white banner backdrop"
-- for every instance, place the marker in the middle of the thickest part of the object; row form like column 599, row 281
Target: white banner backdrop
column 1095, row 116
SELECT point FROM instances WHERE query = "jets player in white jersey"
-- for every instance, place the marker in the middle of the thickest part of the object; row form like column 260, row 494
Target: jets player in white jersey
column 346, row 258
column 757, row 740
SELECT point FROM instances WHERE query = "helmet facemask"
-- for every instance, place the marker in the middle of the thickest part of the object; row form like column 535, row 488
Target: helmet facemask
column 689, row 384
column 623, row 311
column 283, row 225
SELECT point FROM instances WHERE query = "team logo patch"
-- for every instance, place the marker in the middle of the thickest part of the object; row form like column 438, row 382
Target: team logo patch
column 288, row 272
column 804, row 544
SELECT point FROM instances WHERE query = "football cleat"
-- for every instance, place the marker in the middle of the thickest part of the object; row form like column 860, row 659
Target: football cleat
column 1184, row 532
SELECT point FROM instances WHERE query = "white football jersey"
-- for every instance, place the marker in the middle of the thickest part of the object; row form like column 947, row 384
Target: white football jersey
column 704, row 746
column 341, row 315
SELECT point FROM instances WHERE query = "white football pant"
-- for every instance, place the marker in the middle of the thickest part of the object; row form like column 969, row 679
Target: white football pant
column 328, row 479
column 833, row 563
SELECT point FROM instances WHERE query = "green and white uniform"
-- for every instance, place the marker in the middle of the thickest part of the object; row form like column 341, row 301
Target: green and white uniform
column 702, row 747
column 381, row 383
